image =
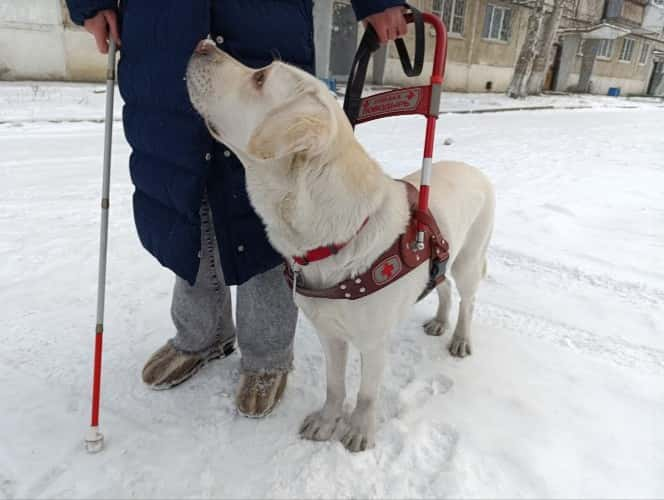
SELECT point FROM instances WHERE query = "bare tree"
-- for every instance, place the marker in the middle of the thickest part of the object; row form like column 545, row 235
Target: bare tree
column 545, row 52
column 524, row 65
column 590, row 47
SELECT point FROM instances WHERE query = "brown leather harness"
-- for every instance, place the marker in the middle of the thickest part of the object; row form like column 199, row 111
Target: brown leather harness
column 397, row 261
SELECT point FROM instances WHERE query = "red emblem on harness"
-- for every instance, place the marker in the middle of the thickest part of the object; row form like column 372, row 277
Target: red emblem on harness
column 387, row 270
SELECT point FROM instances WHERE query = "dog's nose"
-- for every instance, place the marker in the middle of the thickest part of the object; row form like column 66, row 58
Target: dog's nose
column 205, row 47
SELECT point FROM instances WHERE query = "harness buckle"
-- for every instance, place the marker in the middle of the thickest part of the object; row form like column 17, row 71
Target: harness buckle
column 418, row 244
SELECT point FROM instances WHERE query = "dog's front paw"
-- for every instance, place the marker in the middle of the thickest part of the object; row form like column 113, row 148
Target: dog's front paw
column 460, row 347
column 321, row 426
column 434, row 327
column 360, row 435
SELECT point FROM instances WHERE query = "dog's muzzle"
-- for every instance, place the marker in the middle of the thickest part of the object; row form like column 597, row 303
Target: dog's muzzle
column 199, row 80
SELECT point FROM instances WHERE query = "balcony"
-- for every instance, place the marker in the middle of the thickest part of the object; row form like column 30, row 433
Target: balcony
column 625, row 12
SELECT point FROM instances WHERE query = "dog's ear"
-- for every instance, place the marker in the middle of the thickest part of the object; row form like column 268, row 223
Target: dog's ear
column 304, row 125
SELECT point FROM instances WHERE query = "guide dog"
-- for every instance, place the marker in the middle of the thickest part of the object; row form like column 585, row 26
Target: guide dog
column 314, row 185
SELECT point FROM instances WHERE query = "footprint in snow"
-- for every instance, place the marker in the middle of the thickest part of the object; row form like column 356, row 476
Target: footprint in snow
column 7, row 488
column 426, row 447
column 419, row 392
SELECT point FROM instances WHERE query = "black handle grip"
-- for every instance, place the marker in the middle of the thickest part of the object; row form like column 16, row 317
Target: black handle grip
column 409, row 68
column 368, row 45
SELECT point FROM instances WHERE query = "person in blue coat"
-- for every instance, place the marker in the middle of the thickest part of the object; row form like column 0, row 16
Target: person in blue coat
column 191, row 208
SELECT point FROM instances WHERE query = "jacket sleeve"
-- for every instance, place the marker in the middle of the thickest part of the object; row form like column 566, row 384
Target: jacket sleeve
column 364, row 8
column 80, row 10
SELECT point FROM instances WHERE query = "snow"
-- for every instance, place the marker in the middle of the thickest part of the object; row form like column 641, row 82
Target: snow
column 563, row 396
column 44, row 101
column 53, row 101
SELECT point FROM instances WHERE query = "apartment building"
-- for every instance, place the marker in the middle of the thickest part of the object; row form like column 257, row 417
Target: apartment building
column 623, row 41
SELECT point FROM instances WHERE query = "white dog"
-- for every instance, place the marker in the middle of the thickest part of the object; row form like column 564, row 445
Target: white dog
column 313, row 184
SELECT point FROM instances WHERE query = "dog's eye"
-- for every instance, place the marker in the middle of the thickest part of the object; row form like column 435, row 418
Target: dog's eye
column 259, row 78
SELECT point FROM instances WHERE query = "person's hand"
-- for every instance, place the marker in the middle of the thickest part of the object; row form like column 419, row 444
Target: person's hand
column 100, row 26
column 389, row 24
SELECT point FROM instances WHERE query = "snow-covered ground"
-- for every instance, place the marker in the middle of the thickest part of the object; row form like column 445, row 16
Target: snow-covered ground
column 563, row 396
column 43, row 101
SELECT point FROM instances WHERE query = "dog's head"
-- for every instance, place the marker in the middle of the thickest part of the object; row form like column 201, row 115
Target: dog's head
column 262, row 114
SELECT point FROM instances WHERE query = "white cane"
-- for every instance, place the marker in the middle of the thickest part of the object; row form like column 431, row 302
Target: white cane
column 94, row 439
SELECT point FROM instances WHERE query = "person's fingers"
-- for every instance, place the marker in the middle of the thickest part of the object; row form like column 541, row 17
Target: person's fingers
column 403, row 26
column 385, row 34
column 381, row 31
column 101, row 37
column 389, row 24
column 112, row 20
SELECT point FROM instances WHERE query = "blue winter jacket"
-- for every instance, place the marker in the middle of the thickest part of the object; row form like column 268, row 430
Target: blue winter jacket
column 174, row 160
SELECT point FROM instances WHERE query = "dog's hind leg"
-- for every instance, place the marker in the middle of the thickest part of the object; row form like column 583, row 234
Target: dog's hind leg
column 468, row 270
column 323, row 424
column 437, row 325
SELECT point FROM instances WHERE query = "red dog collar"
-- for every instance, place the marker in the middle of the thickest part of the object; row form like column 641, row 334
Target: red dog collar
column 323, row 252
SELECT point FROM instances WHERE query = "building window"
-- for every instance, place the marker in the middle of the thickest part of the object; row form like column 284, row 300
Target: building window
column 645, row 51
column 497, row 23
column 605, row 49
column 627, row 49
column 452, row 13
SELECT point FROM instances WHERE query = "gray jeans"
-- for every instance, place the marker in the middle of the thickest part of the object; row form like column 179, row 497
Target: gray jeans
column 266, row 314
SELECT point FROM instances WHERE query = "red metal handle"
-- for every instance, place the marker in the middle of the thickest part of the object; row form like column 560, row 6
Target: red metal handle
column 440, row 54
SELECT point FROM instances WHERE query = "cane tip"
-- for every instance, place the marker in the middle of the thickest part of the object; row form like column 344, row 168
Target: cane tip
column 94, row 440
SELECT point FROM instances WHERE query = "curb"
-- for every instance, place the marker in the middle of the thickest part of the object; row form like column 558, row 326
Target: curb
column 528, row 108
column 56, row 120
column 447, row 112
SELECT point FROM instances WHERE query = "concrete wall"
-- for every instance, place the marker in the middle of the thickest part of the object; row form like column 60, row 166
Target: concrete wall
column 458, row 77
column 31, row 39
column 600, row 84
column 39, row 42
column 83, row 61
